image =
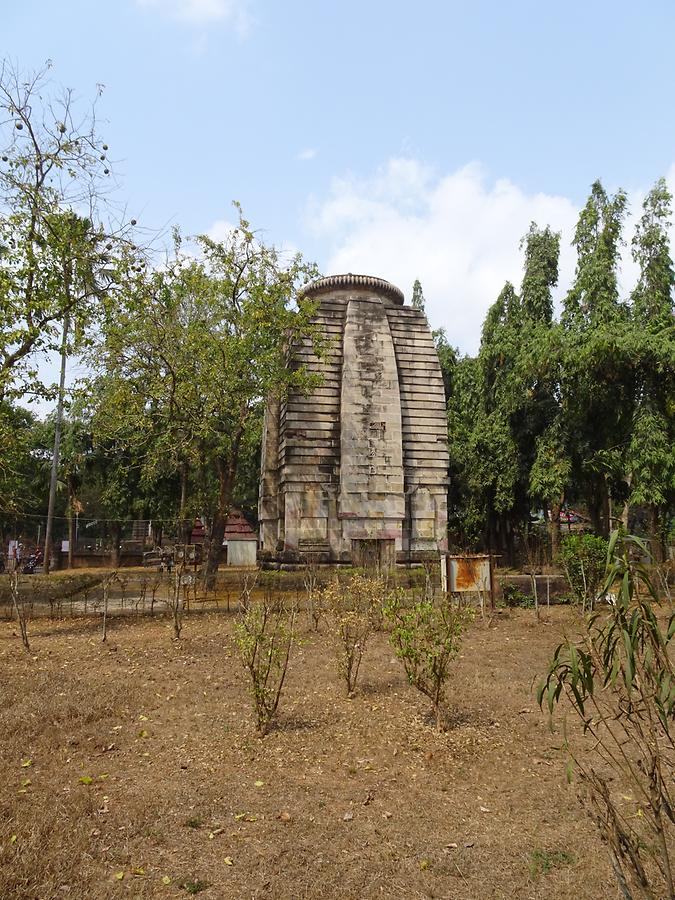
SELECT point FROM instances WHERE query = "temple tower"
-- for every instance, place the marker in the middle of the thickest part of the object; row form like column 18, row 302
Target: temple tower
column 357, row 470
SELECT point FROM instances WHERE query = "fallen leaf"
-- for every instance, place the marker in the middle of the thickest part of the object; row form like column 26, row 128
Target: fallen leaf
column 86, row 779
column 25, row 782
column 138, row 871
column 166, row 879
column 284, row 816
column 228, row 861
column 259, row 783
column 25, row 763
column 348, row 816
column 119, row 875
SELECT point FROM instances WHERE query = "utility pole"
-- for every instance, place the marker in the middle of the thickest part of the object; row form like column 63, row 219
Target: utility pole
column 57, row 445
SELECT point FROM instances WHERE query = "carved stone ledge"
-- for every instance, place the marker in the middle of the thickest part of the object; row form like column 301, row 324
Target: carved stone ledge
column 355, row 282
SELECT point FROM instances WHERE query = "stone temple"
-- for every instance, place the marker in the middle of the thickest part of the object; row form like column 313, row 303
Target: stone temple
column 356, row 471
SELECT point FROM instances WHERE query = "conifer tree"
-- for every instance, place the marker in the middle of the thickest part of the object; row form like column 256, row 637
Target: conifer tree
column 417, row 300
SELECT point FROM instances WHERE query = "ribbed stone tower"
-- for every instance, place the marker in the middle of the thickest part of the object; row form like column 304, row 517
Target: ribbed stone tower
column 357, row 470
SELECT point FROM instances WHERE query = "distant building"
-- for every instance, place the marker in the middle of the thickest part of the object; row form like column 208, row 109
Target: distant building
column 239, row 539
column 357, row 471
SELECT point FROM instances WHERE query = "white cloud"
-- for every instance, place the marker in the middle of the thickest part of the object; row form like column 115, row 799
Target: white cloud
column 458, row 233
column 235, row 13
column 306, row 154
column 221, row 230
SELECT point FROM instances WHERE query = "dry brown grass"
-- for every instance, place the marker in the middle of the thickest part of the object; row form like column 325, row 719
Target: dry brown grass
column 359, row 798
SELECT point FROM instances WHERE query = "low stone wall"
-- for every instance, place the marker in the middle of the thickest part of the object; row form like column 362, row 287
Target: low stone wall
column 557, row 585
column 99, row 559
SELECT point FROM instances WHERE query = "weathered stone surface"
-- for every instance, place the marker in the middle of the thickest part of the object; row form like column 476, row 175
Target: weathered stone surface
column 358, row 469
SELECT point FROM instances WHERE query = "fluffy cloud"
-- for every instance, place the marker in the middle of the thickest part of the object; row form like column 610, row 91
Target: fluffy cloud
column 458, row 233
column 199, row 12
column 306, row 154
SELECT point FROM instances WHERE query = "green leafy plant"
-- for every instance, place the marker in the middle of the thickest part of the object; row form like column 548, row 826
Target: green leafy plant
column 619, row 680
column 513, row 597
column 264, row 636
column 427, row 637
column 195, row 886
column 584, row 557
column 543, row 861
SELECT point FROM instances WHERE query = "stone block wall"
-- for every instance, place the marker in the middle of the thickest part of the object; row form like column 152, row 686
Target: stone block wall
column 362, row 460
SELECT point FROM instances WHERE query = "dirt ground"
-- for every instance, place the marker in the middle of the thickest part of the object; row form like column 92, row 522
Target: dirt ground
column 132, row 769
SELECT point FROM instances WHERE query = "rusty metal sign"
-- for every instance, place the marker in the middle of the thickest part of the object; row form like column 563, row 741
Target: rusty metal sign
column 469, row 574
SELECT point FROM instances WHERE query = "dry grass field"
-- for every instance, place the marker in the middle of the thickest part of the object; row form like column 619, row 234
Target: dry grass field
column 132, row 769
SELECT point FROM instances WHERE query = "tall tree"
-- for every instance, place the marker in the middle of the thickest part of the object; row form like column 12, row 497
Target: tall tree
column 417, row 299
column 597, row 387
column 193, row 353
column 650, row 457
column 54, row 242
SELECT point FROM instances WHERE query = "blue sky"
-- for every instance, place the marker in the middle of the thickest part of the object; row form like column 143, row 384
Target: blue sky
column 401, row 139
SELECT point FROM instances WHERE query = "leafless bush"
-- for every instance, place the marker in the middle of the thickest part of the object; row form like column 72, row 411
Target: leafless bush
column 264, row 636
column 20, row 608
column 310, row 580
column 354, row 608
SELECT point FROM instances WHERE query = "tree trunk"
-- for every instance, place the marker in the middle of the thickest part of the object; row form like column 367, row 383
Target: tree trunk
column 655, row 533
column 57, row 441
column 185, row 525
column 555, row 530
column 71, row 528
column 214, row 549
column 226, row 473
column 598, row 507
column 156, row 535
column 606, row 509
column 116, row 535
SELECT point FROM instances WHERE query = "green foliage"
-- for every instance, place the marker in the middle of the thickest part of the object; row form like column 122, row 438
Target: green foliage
column 53, row 262
column 194, row 886
column 584, row 558
column 618, row 678
column 543, row 861
column 583, row 408
column 417, row 299
column 542, row 249
column 189, row 356
column 447, row 357
column 427, row 638
column 264, row 635
column 514, row 597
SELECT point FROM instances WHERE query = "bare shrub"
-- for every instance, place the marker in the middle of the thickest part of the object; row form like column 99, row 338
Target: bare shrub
column 310, row 579
column 619, row 679
column 176, row 599
column 354, row 608
column 264, row 635
column 20, row 608
column 247, row 585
